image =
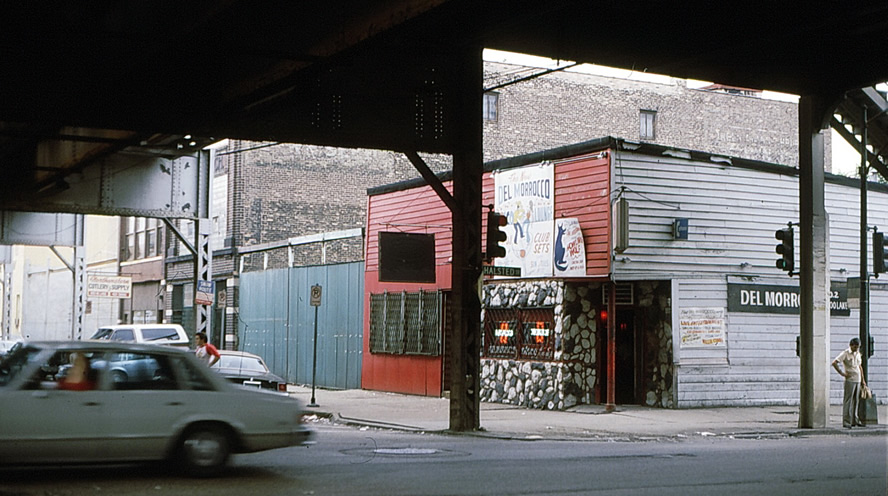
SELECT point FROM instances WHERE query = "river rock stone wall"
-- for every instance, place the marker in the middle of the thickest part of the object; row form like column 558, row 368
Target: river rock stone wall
column 565, row 381
column 571, row 377
column 653, row 316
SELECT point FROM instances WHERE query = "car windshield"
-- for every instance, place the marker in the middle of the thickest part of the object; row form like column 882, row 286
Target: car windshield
column 15, row 361
column 157, row 334
column 103, row 334
column 241, row 363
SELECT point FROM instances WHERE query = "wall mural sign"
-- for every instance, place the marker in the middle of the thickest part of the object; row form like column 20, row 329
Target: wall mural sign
column 765, row 298
column 702, row 327
column 569, row 251
column 526, row 196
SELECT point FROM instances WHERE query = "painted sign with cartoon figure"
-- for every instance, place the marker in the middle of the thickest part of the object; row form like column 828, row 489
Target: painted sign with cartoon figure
column 569, row 252
column 526, row 196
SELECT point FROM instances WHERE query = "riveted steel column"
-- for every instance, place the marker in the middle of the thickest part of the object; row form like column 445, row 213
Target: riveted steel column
column 7, row 300
column 814, row 271
column 465, row 341
column 203, row 256
column 79, row 265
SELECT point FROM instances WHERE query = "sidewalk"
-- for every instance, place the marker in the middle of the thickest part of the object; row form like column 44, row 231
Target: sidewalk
column 629, row 423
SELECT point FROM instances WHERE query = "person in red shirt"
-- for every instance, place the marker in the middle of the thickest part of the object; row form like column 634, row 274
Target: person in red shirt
column 205, row 352
column 78, row 377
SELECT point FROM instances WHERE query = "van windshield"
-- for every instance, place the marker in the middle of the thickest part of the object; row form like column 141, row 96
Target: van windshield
column 103, row 334
column 158, row 334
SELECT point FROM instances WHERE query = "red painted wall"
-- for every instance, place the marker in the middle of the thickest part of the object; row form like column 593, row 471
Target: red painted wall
column 582, row 187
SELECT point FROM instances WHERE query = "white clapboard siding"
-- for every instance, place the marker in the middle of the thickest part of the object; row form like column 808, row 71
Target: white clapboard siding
column 732, row 213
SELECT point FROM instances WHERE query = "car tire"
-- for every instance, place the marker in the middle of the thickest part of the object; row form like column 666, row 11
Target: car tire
column 204, row 450
column 118, row 376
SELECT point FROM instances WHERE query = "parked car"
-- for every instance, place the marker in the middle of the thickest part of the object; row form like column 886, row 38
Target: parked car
column 60, row 402
column 167, row 334
column 7, row 345
column 248, row 369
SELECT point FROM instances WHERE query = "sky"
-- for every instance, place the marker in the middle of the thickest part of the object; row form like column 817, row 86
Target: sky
column 845, row 158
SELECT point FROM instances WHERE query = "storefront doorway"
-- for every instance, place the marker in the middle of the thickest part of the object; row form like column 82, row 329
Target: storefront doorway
column 627, row 359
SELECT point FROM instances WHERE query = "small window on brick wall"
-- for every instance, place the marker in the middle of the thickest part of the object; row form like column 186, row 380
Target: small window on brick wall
column 491, row 106
column 406, row 323
column 647, row 124
column 526, row 333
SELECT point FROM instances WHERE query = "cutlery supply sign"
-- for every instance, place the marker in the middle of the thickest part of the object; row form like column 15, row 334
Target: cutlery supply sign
column 109, row 286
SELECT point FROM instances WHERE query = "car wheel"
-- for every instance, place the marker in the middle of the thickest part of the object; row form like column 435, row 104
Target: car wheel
column 118, row 376
column 204, row 450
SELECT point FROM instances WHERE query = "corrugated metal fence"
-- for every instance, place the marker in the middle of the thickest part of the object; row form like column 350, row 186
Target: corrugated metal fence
column 277, row 322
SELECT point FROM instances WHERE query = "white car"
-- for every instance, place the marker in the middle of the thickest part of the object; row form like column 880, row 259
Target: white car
column 166, row 334
column 65, row 402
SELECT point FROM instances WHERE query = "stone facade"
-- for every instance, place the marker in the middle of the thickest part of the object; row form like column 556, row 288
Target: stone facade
column 572, row 376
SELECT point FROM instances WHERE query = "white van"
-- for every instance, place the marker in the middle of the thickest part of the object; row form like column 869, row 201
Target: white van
column 167, row 334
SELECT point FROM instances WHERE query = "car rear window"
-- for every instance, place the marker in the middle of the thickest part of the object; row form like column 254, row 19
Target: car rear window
column 241, row 363
column 157, row 334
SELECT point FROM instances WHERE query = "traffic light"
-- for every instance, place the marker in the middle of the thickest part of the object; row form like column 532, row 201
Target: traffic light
column 786, row 248
column 495, row 235
column 880, row 255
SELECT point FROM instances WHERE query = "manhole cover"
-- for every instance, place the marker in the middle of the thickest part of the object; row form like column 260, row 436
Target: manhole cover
column 405, row 451
column 401, row 451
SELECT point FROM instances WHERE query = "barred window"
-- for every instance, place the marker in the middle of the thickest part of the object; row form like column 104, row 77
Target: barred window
column 519, row 333
column 406, row 323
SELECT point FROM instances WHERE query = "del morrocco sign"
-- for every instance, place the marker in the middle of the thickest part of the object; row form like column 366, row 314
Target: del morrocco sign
column 765, row 298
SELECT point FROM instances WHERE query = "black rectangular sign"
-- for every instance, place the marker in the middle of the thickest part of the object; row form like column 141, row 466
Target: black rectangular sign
column 767, row 298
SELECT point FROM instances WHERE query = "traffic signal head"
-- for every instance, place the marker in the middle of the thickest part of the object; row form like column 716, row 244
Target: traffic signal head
column 785, row 248
column 880, row 254
column 495, row 235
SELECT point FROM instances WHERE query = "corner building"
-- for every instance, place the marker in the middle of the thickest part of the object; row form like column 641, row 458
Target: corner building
column 703, row 315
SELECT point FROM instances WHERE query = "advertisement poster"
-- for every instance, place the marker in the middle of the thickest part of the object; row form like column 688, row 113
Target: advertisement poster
column 526, row 196
column 702, row 327
column 109, row 286
column 569, row 251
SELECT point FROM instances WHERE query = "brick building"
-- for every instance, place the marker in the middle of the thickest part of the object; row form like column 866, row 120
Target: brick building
column 267, row 193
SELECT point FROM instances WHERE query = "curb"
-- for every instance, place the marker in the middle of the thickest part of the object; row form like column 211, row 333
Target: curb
column 879, row 430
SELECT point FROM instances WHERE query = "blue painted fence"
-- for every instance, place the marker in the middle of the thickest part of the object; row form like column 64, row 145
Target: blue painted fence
column 277, row 322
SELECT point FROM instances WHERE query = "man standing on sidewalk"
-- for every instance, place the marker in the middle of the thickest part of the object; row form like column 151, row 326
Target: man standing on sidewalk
column 853, row 374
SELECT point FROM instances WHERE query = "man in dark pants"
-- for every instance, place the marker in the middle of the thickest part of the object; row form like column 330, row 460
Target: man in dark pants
column 853, row 373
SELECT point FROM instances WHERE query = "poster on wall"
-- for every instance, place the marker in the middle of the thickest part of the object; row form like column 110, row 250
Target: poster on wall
column 526, row 196
column 569, row 252
column 702, row 327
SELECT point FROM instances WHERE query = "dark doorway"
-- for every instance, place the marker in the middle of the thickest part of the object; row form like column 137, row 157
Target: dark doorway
column 626, row 359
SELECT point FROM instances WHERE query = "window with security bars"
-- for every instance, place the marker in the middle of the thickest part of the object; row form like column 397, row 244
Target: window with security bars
column 406, row 323
column 519, row 333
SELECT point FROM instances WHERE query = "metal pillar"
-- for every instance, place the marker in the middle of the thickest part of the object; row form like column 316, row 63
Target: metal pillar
column 465, row 341
column 7, row 301
column 869, row 414
column 5, row 330
column 611, row 404
column 814, row 271
column 203, row 265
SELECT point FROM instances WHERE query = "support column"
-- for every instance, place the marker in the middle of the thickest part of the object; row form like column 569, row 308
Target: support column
column 814, row 271
column 203, row 264
column 7, row 301
column 465, row 341
column 611, row 404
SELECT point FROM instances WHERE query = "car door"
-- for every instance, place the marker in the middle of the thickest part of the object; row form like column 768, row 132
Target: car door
column 147, row 407
column 40, row 421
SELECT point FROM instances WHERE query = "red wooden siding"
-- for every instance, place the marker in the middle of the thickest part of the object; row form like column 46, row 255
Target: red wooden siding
column 582, row 190
column 582, row 187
